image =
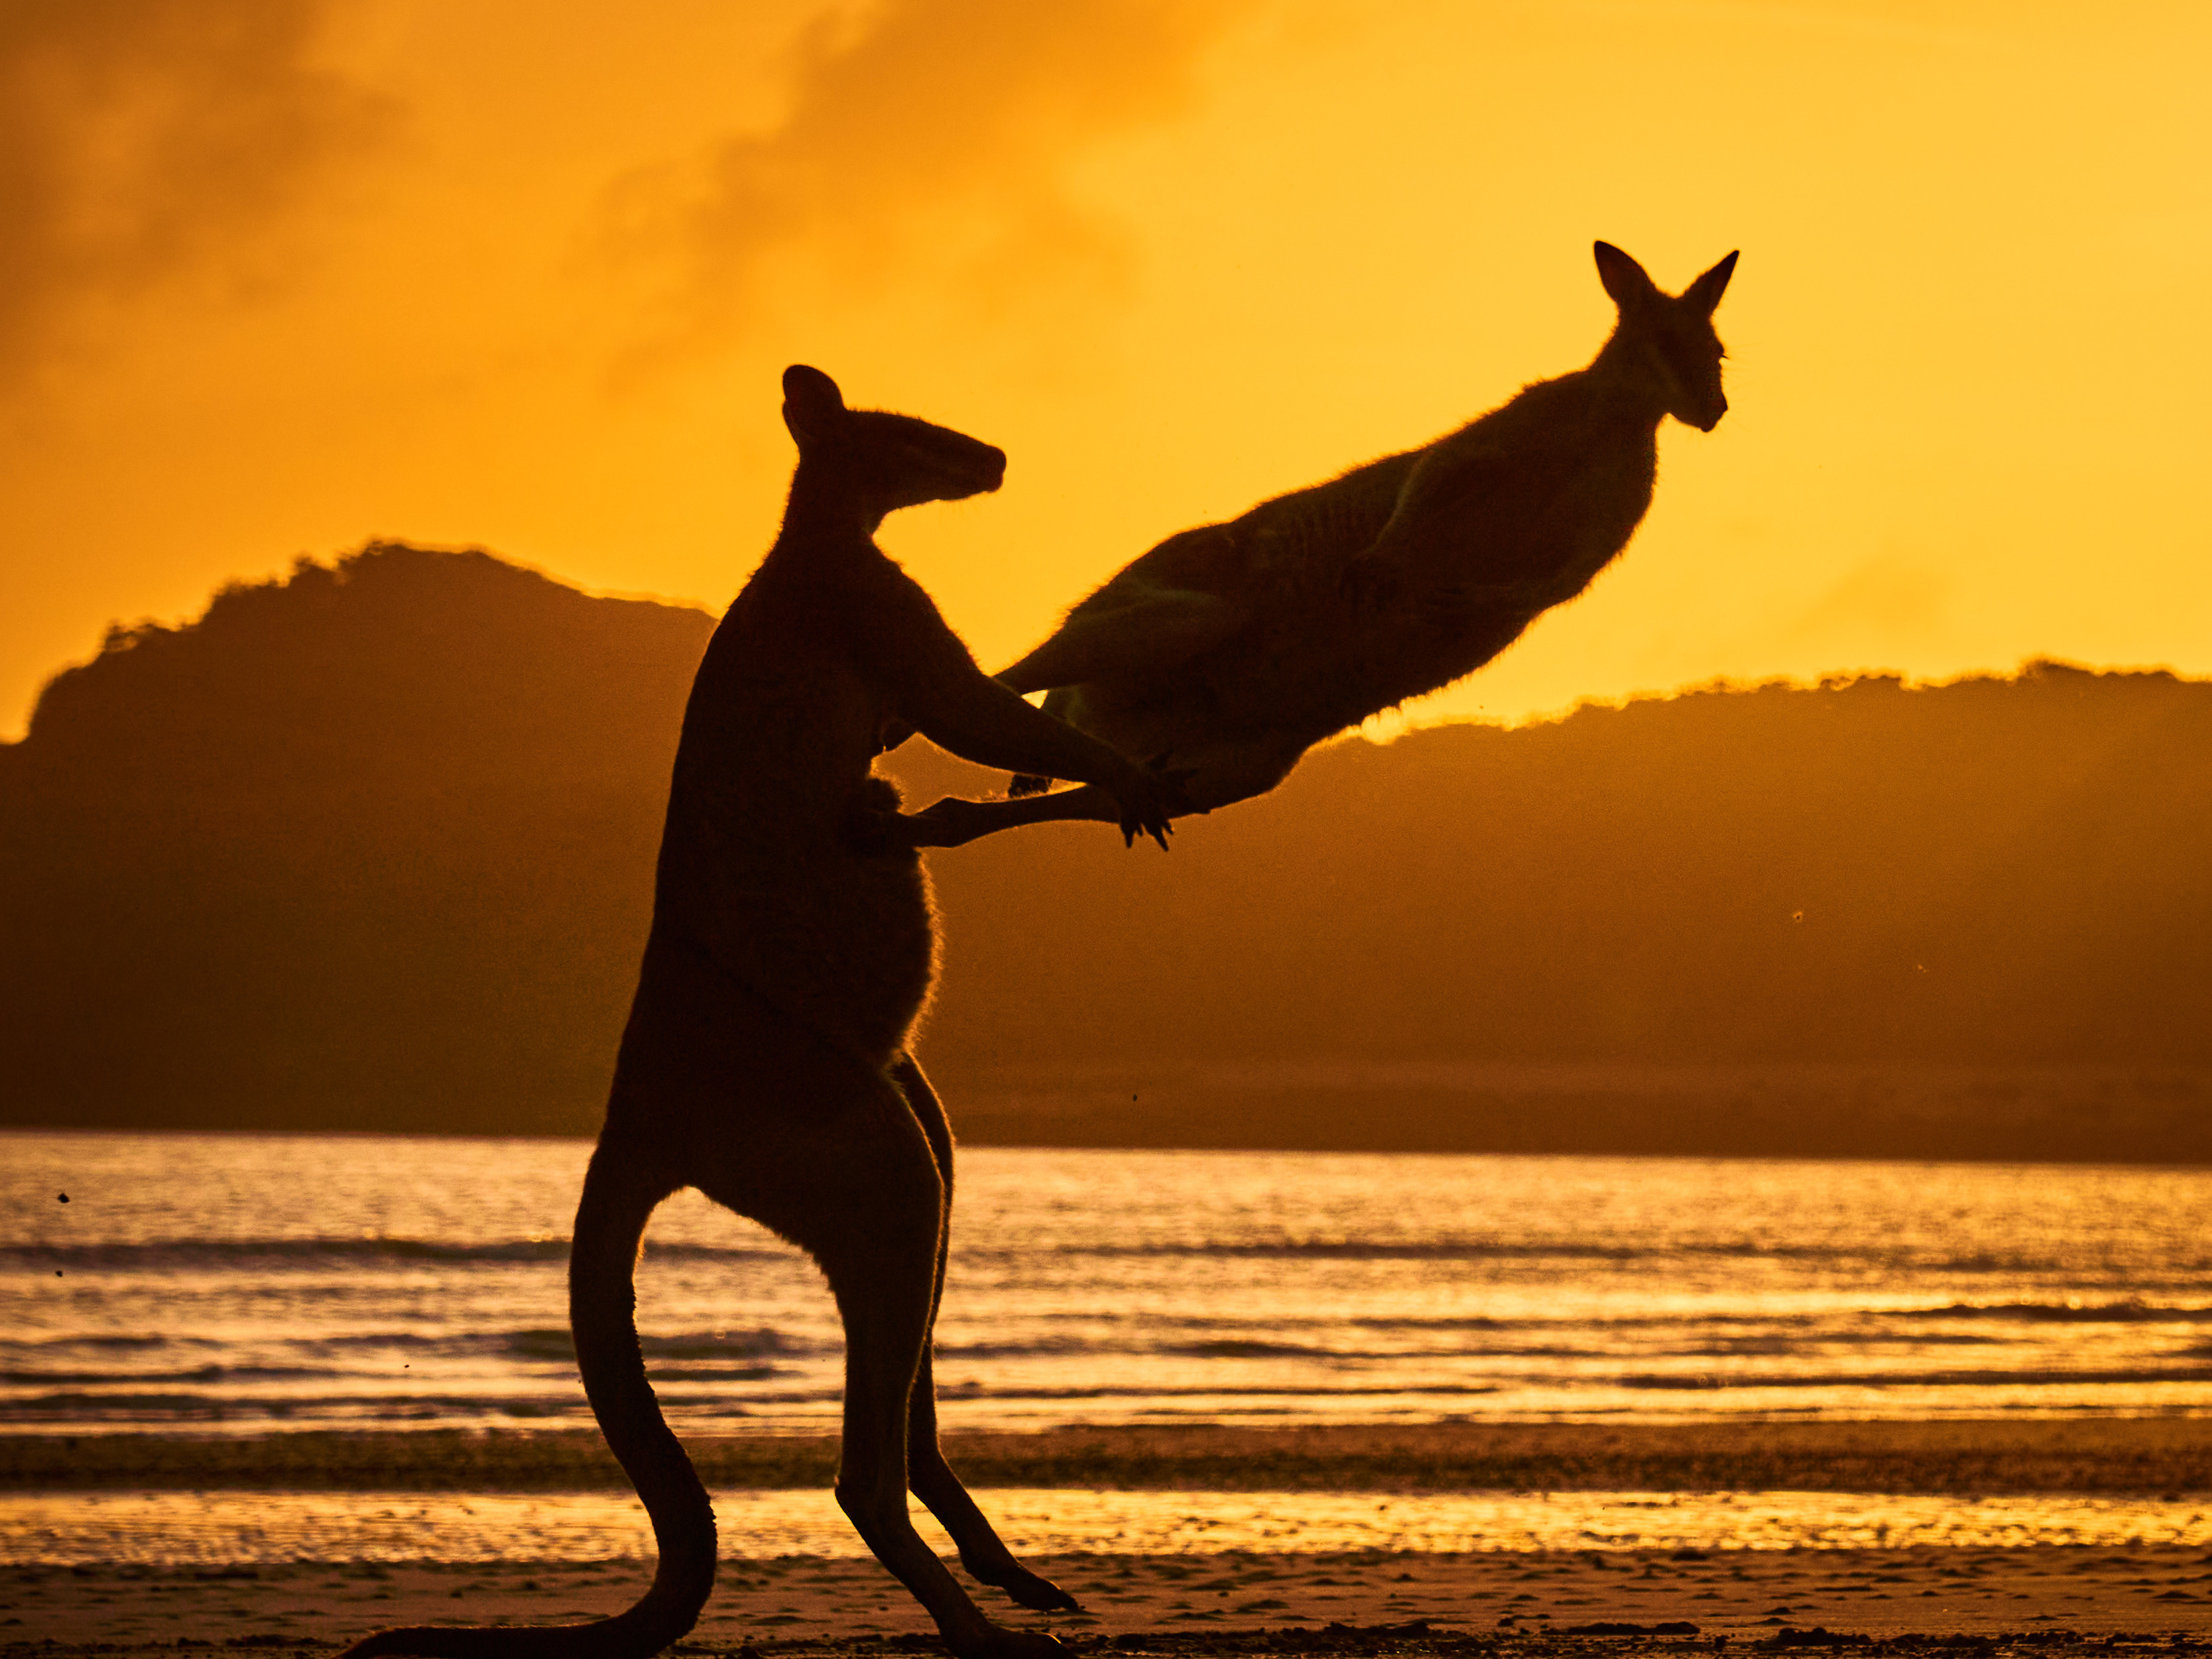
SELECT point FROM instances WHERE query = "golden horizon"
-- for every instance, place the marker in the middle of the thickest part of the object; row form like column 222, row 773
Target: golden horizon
column 458, row 275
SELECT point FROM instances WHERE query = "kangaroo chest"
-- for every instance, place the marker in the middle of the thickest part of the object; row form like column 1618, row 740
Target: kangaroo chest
column 760, row 863
column 1551, row 522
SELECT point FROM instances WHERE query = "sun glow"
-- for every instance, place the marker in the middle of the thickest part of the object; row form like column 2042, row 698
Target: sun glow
column 468, row 274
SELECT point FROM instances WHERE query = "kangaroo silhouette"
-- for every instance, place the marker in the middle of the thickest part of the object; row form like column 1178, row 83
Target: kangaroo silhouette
column 765, row 1060
column 1226, row 651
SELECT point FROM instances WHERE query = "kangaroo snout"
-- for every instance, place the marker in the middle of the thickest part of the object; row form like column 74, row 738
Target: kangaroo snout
column 977, row 469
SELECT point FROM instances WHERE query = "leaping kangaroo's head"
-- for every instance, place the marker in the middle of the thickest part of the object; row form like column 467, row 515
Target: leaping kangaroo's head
column 1671, row 336
column 888, row 461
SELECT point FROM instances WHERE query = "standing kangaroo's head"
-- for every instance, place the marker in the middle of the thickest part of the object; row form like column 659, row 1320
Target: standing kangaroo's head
column 887, row 461
column 1669, row 339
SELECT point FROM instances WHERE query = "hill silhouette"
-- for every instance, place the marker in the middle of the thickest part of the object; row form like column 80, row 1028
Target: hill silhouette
column 371, row 849
column 368, row 849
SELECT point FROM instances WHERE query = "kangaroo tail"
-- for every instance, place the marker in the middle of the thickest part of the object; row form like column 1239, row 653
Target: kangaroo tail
column 619, row 1198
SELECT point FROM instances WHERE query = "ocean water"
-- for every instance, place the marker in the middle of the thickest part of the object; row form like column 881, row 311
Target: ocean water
column 228, row 1284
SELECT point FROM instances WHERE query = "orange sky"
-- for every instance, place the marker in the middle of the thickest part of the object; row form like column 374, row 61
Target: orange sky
column 284, row 275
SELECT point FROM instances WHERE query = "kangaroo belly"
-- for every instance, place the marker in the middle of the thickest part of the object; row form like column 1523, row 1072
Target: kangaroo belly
column 834, row 936
column 1323, row 654
column 854, row 958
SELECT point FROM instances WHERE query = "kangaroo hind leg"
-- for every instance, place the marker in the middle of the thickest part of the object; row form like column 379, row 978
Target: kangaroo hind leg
column 982, row 1553
column 856, row 1184
column 1134, row 630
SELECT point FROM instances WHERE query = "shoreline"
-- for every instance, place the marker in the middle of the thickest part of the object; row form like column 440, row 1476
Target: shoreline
column 2162, row 1456
column 1604, row 1591
column 1628, row 1578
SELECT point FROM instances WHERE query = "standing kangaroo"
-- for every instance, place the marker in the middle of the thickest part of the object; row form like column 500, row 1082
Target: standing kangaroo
column 1228, row 651
column 765, row 1061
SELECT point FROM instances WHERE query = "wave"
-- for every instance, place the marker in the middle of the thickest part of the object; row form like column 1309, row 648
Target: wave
column 1245, row 1348
column 2026, row 1376
column 550, row 1343
column 1902, row 1258
column 173, row 1253
column 536, row 1342
column 2130, row 1312
column 1327, row 1340
column 92, row 1357
column 232, row 1253
column 1361, row 1249
column 1041, row 1348
column 1221, row 1391
column 185, row 1404
column 277, row 1255
column 198, row 1374
column 184, row 1407
column 673, row 1251
column 20, row 1360
column 1218, row 1347
column 167, row 1254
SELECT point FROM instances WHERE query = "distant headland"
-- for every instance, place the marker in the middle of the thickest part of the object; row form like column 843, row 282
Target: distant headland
column 371, row 847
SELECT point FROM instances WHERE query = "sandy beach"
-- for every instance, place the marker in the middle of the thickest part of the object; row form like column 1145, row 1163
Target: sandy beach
column 1745, row 1596
column 1195, row 1597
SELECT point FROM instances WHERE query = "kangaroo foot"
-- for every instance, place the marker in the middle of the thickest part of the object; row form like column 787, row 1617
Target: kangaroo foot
column 1029, row 1588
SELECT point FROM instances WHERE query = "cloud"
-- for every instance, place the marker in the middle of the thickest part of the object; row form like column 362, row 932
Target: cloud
column 929, row 132
column 148, row 143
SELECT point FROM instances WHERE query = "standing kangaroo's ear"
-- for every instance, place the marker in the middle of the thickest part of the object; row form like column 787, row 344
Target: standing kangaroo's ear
column 1623, row 277
column 811, row 403
column 1706, row 293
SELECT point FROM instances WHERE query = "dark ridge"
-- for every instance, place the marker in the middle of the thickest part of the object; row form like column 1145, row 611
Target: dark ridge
column 372, row 848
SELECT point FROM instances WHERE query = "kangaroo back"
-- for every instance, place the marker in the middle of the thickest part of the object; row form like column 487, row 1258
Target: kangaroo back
column 1230, row 649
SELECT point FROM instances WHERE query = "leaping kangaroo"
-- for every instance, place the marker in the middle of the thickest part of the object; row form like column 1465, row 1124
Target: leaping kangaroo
column 765, row 1062
column 1225, row 653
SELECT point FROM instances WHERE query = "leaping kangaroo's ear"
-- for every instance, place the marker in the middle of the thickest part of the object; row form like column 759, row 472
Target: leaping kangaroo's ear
column 1706, row 293
column 811, row 403
column 1623, row 277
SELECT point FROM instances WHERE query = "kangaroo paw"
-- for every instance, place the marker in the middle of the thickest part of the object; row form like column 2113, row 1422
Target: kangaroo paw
column 1028, row 1588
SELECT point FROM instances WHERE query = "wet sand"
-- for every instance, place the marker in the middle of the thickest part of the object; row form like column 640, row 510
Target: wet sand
column 2145, row 1456
column 2049, row 1597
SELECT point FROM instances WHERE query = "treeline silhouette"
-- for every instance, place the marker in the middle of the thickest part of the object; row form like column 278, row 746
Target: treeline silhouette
column 371, row 849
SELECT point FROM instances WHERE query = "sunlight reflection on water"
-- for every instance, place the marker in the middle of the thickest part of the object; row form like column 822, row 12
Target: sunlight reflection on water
column 242, row 1284
column 202, row 1529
